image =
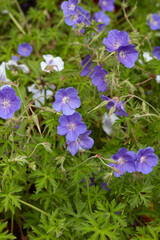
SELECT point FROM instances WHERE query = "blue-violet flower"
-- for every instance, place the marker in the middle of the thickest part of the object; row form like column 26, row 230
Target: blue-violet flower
column 127, row 55
column 146, row 160
column 66, row 100
column 99, row 78
column 101, row 18
column 71, row 126
column 120, row 110
column 9, row 102
column 115, row 40
column 125, row 161
column 156, row 52
column 88, row 63
column 24, row 49
column 107, row 5
column 69, row 7
column 154, row 22
column 83, row 142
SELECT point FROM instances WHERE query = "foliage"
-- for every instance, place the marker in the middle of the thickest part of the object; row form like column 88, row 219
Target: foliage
column 45, row 192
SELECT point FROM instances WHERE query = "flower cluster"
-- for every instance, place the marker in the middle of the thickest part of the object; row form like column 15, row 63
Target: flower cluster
column 75, row 14
column 129, row 161
column 118, row 41
column 24, row 50
column 67, row 100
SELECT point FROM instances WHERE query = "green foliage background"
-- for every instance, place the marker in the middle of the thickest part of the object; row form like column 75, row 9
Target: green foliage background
column 41, row 190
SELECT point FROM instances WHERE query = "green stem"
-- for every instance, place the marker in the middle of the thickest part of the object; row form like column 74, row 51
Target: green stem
column 22, row 100
column 33, row 207
column 143, row 70
column 126, row 17
column 81, row 163
column 16, row 23
column 23, row 16
column 12, row 220
column 146, row 103
column 107, row 56
column 89, row 200
column 113, row 168
column 35, row 149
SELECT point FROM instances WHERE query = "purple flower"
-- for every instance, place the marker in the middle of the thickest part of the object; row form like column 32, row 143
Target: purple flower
column 86, row 16
column 104, row 186
column 69, row 7
column 107, row 5
column 124, row 161
column 15, row 58
column 91, row 181
column 115, row 40
column 146, row 160
column 81, row 16
column 17, row 126
column 88, row 68
column 83, row 142
column 66, row 100
column 71, row 126
column 154, row 22
column 24, row 49
column 99, row 78
column 73, row 20
column 120, row 110
column 128, row 55
column 156, row 52
column 101, row 17
column 9, row 102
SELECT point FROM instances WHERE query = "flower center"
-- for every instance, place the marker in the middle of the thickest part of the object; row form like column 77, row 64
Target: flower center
column 72, row 126
column 121, row 160
column 72, row 7
column 6, row 103
column 25, row 50
column 99, row 20
column 75, row 17
column 104, row 3
column 122, row 54
column 65, row 100
column 49, row 68
column 143, row 159
column 116, row 44
column 155, row 23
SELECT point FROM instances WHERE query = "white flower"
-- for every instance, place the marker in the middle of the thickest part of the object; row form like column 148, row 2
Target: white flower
column 3, row 76
column 158, row 78
column 147, row 56
column 52, row 63
column 39, row 95
column 140, row 61
column 108, row 121
column 13, row 65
